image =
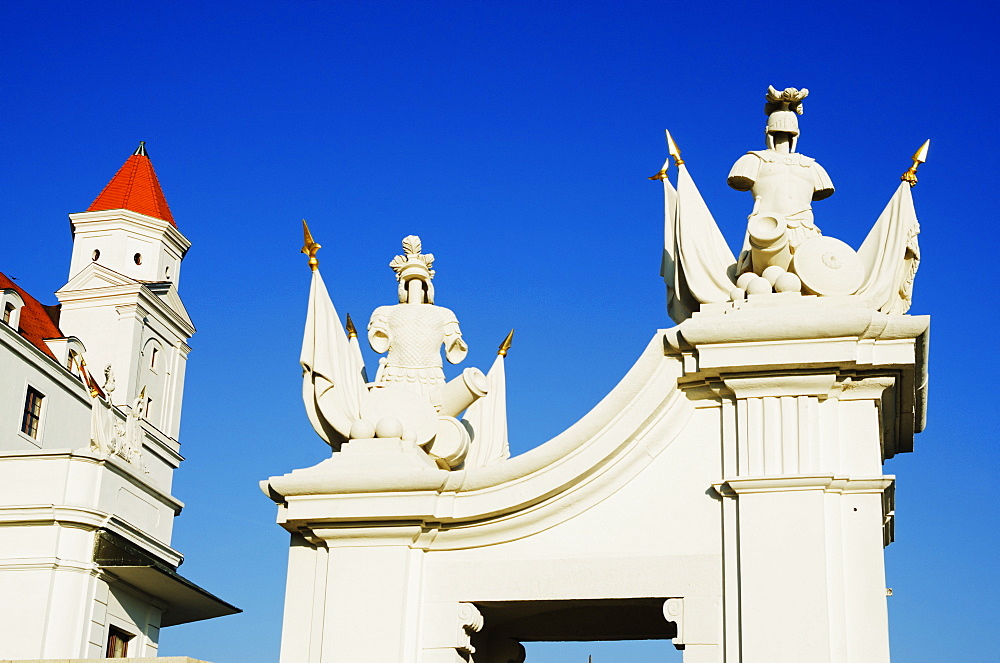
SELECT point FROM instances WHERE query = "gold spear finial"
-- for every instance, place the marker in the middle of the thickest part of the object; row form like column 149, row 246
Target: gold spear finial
column 673, row 150
column 662, row 175
column 310, row 247
column 505, row 346
column 352, row 331
column 919, row 157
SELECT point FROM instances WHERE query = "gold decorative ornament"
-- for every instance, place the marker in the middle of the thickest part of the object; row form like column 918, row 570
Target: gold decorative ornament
column 919, row 157
column 505, row 346
column 311, row 247
column 674, row 151
column 352, row 331
column 662, row 175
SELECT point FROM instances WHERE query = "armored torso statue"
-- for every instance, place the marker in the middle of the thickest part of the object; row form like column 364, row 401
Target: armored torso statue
column 413, row 331
column 784, row 183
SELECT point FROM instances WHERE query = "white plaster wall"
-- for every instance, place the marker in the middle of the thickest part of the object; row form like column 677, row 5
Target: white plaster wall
column 119, row 235
column 133, row 613
column 112, row 331
column 47, row 567
column 660, row 533
column 65, row 421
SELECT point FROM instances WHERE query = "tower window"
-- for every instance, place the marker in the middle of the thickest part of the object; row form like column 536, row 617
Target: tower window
column 137, row 258
column 95, row 255
column 8, row 310
column 118, row 642
column 152, row 359
column 149, row 407
column 32, row 412
column 166, row 273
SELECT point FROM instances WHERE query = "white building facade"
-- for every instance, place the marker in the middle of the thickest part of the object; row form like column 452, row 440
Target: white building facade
column 90, row 404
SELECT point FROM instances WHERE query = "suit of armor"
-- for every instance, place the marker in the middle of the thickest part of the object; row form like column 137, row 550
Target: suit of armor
column 784, row 184
column 412, row 335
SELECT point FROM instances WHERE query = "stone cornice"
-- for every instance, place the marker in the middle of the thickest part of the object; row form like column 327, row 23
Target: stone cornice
column 828, row 483
column 130, row 295
column 109, row 220
column 85, row 518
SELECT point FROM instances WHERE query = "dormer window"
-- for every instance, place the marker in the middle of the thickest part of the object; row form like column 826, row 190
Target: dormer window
column 73, row 361
column 11, row 305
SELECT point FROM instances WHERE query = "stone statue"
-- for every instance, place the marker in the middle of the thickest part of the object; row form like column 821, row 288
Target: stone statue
column 413, row 331
column 109, row 379
column 409, row 400
column 784, row 251
column 783, row 182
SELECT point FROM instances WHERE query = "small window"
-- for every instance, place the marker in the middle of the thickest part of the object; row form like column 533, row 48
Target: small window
column 118, row 642
column 166, row 273
column 152, row 359
column 32, row 412
column 95, row 255
column 137, row 258
column 8, row 310
column 149, row 407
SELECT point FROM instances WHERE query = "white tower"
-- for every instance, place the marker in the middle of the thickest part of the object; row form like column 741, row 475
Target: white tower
column 122, row 293
column 86, row 462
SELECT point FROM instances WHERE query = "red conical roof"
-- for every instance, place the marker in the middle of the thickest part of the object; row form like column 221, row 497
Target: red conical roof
column 135, row 188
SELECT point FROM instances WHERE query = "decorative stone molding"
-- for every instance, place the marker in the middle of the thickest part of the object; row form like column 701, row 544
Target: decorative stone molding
column 697, row 621
column 470, row 621
column 825, row 483
column 449, row 631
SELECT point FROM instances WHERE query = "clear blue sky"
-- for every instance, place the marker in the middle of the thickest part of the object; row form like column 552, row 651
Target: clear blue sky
column 515, row 139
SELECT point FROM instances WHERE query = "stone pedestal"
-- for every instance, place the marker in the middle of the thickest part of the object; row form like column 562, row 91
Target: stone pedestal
column 816, row 393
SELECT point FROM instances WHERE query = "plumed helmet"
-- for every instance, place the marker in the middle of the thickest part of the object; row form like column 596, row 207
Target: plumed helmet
column 783, row 121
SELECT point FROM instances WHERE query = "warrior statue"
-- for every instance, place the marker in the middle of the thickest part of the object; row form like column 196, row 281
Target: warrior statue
column 413, row 331
column 784, row 184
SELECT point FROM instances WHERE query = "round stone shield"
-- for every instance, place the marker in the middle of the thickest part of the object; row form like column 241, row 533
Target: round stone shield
column 828, row 267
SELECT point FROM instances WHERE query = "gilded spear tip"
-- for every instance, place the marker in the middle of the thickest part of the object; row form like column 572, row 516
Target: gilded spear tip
column 919, row 157
column 505, row 346
column 674, row 151
column 662, row 175
column 352, row 331
column 311, row 247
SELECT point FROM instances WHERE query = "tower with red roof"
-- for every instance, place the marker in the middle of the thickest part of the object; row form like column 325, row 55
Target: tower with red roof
column 122, row 293
column 90, row 405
